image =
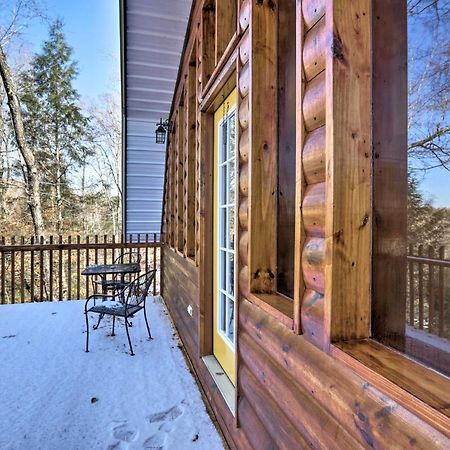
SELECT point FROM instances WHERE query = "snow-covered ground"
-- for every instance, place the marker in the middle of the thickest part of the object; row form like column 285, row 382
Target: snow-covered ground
column 53, row 395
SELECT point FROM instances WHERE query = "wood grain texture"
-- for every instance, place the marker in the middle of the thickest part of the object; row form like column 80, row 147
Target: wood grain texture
column 313, row 264
column 312, row 313
column 190, row 161
column 244, row 281
column 244, row 14
column 179, row 142
column 293, row 395
column 370, row 417
column 244, row 180
column 312, row 11
column 427, row 385
column 235, row 437
column 277, row 305
column 244, row 80
column 244, row 146
column 243, row 248
column 360, row 357
column 289, row 396
column 208, row 56
column 244, row 48
column 267, row 409
column 300, row 179
column 243, row 214
column 244, row 112
column 314, row 50
column 286, row 170
column 313, row 209
column 390, row 132
column 263, row 142
column 226, row 20
column 206, row 233
column 313, row 156
column 314, row 103
column 348, row 188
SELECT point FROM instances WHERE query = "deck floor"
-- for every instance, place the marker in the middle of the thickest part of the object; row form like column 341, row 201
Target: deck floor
column 53, row 395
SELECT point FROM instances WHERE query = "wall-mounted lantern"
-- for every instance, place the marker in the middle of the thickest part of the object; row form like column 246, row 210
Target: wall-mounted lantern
column 161, row 131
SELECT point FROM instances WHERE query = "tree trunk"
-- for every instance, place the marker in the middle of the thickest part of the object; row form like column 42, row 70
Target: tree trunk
column 59, row 217
column 32, row 179
column 3, row 163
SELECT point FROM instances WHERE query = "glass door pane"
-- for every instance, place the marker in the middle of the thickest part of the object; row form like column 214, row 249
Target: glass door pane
column 226, row 226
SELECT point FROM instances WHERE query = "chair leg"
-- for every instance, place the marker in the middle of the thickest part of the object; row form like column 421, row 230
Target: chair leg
column 146, row 322
column 87, row 332
column 114, row 322
column 100, row 317
column 128, row 336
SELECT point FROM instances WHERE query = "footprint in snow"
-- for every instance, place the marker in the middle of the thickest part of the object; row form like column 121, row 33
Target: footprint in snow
column 123, row 434
column 166, row 423
column 119, row 445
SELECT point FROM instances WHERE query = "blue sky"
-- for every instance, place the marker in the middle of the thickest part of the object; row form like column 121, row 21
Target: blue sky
column 92, row 30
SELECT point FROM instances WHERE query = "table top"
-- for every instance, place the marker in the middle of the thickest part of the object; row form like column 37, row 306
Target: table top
column 105, row 269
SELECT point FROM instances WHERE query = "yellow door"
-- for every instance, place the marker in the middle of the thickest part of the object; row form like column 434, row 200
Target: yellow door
column 225, row 193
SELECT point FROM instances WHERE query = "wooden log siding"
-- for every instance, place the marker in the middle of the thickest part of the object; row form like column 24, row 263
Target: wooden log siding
column 263, row 147
column 179, row 143
column 244, row 149
column 293, row 391
column 311, row 187
column 198, row 89
column 190, row 160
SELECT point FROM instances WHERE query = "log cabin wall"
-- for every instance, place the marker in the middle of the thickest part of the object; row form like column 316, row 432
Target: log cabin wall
column 293, row 389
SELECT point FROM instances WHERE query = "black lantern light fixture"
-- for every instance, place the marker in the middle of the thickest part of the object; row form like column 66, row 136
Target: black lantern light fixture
column 161, row 131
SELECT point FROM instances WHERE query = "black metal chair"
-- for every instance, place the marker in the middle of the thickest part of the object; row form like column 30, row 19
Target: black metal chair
column 125, row 303
column 117, row 283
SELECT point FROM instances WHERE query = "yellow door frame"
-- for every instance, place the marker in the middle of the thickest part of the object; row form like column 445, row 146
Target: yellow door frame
column 222, row 349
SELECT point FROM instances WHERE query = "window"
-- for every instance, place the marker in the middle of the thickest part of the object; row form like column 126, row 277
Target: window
column 227, row 223
column 411, row 307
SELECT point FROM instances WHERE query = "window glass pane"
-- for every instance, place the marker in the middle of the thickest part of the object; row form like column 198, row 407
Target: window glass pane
column 232, row 134
column 224, row 142
column 231, row 273
column 428, row 299
column 223, row 270
column 223, row 227
column 232, row 181
column 231, row 229
column 223, row 185
column 223, row 312
column 412, row 244
column 230, row 318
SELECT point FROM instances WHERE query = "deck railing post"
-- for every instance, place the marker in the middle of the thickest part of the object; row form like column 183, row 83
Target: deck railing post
column 441, row 293
column 3, row 273
column 49, row 274
column 420, row 253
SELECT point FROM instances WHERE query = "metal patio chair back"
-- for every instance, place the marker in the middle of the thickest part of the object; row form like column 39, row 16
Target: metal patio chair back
column 125, row 303
column 132, row 257
column 117, row 283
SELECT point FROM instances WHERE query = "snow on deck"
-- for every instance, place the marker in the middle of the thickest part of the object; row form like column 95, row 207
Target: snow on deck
column 53, row 395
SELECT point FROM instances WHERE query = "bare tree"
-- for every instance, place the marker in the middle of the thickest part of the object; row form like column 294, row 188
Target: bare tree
column 429, row 83
column 107, row 145
column 32, row 177
column 16, row 16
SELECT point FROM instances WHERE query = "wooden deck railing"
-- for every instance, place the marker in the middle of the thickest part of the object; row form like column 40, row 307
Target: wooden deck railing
column 428, row 305
column 49, row 269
